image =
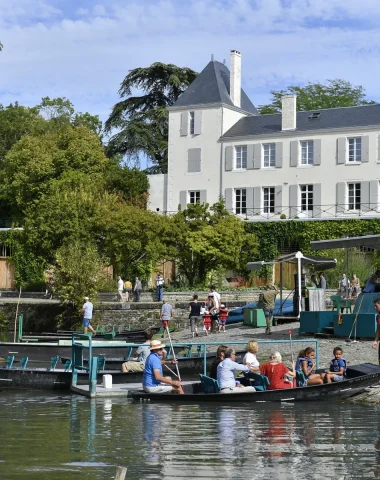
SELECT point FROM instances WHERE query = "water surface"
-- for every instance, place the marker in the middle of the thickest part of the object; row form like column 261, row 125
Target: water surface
column 48, row 437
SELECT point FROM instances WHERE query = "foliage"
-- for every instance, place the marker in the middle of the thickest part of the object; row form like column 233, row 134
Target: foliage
column 131, row 183
column 315, row 96
column 204, row 239
column 273, row 236
column 142, row 121
column 78, row 272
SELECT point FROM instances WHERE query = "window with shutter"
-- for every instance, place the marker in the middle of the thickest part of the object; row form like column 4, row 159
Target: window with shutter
column 194, row 197
column 354, row 150
column 241, row 157
column 240, row 201
column 354, row 196
column 269, row 154
column 268, row 199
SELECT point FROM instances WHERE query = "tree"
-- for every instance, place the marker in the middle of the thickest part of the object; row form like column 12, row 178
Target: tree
column 78, row 272
column 205, row 239
column 142, row 121
column 315, row 96
column 131, row 183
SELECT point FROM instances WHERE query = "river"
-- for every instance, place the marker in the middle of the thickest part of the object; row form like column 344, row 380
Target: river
column 47, row 437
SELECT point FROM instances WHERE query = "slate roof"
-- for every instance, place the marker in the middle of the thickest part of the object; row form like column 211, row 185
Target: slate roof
column 212, row 85
column 331, row 118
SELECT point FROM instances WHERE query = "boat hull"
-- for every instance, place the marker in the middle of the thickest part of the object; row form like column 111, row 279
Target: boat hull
column 338, row 390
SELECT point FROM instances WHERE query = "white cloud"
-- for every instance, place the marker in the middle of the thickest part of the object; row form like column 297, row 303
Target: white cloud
column 84, row 55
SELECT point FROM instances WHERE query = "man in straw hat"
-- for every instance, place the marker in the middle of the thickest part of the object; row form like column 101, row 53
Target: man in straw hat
column 153, row 380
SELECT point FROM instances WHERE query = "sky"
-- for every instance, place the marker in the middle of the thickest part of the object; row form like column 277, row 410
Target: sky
column 82, row 49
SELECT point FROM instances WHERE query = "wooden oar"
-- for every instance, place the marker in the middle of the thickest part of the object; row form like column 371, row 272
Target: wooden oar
column 171, row 345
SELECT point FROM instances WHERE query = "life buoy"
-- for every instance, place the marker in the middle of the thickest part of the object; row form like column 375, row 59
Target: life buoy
column 340, row 319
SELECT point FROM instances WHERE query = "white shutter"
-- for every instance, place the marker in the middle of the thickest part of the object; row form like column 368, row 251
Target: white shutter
column 197, row 122
column 364, row 196
column 293, row 201
column 257, row 156
column 257, row 201
column 317, row 152
column 250, row 153
column 278, row 154
column 228, row 199
column 342, row 147
column 250, row 204
column 341, row 197
column 317, row 200
column 203, row 197
column 365, row 149
column 294, row 144
column 183, row 199
column 278, row 200
column 374, row 195
column 184, row 123
column 229, row 153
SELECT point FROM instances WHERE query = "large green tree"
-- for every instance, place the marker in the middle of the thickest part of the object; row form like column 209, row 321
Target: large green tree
column 141, row 121
column 206, row 239
column 315, row 96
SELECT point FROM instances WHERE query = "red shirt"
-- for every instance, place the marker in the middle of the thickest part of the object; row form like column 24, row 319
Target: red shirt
column 207, row 318
column 276, row 374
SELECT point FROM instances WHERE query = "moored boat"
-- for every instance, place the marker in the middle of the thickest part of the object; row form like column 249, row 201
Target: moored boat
column 359, row 377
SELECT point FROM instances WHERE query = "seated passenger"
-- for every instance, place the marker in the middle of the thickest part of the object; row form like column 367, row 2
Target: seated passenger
column 227, row 374
column 139, row 357
column 219, row 357
column 338, row 367
column 306, row 364
column 277, row 372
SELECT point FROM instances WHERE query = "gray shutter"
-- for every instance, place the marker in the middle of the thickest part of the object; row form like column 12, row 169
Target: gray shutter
column 184, row 123
column 374, row 195
column 277, row 199
column 341, row 197
column 342, row 146
column 183, row 199
column 250, row 157
column 196, row 159
column 278, row 154
column 229, row 157
column 365, row 148
column 228, row 199
column 317, row 200
column 293, row 201
column 378, row 148
column 257, row 201
column 250, row 204
column 190, row 160
column 294, row 153
column 257, row 156
column 197, row 122
column 317, row 152
column 203, row 197
column 364, row 196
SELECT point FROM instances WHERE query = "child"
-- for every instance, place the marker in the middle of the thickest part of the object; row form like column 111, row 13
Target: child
column 306, row 364
column 207, row 322
column 223, row 314
column 338, row 367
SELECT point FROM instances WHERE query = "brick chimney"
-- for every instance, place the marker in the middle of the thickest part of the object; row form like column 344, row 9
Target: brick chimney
column 289, row 112
column 235, row 78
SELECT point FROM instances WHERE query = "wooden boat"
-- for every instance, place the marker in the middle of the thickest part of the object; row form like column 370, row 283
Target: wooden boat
column 58, row 379
column 359, row 377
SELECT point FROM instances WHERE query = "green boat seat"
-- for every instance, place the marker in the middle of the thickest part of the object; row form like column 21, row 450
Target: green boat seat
column 101, row 364
column 24, row 362
column 259, row 381
column 9, row 361
column 67, row 365
column 210, row 385
column 300, row 379
column 339, row 304
column 53, row 362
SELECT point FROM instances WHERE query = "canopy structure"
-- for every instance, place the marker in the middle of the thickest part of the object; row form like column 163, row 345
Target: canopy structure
column 371, row 241
column 299, row 258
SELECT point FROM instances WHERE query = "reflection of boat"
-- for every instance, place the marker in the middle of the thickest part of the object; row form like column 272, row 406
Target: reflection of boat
column 358, row 378
column 186, row 365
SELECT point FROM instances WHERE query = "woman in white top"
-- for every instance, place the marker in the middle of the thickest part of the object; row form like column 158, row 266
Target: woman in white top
column 250, row 357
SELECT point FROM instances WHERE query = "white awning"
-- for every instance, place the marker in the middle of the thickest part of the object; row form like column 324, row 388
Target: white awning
column 322, row 263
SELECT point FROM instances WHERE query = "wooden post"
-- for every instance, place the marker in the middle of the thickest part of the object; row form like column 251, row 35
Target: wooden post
column 121, row 472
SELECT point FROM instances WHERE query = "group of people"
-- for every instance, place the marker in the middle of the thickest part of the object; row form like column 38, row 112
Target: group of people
column 124, row 289
column 224, row 369
column 319, row 282
column 209, row 311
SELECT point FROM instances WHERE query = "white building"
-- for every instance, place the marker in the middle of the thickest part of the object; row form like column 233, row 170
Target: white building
column 315, row 164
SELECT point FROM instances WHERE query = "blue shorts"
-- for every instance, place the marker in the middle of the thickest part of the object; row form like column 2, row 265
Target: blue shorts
column 222, row 322
column 86, row 322
column 338, row 378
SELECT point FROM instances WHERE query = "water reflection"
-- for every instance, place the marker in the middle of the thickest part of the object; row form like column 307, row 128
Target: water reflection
column 71, row 437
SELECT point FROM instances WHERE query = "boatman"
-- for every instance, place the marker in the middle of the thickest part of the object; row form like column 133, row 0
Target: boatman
column 87, row 310
column 153, row 379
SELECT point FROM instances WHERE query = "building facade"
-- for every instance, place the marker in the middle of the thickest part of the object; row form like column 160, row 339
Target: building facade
column 321, row 164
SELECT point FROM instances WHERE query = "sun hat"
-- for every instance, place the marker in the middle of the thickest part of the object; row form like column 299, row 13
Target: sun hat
column 156, row 345
column 87, row 298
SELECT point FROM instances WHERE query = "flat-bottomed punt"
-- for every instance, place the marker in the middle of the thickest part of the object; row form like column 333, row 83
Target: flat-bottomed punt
column 359, row 377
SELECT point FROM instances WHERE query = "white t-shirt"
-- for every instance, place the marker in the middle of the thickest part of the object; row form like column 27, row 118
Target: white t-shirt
column 120, row 284
column 216, row 297
column 88, row 308
column 250, row 357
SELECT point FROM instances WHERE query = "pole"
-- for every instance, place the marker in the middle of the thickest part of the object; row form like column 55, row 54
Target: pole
column 15, row 326
column 171, row 345
column 299, row 286
column 347, row 289
column 121, row 472
column 291, row 345
column 281, row 279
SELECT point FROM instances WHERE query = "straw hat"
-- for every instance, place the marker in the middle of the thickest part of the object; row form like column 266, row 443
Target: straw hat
column 156, row 345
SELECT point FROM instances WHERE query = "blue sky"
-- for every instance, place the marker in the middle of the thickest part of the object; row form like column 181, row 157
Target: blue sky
column 82, row 49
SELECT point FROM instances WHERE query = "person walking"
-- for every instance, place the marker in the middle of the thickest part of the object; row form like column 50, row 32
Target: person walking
column 137, row 289
column 127, row 290
column 166, row 315
column 87, row 310
column 195, row 313
column 120, row 288
column 159, row 287
column 269, row 298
